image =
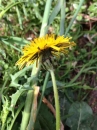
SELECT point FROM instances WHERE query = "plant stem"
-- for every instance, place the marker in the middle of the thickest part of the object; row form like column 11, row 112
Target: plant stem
column 57, row 106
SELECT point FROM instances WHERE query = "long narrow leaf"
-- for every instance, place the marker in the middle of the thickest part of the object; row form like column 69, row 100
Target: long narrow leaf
column 16, row 114
column 24, row 10
column 7, row 43
column 16, row 40
column 19, row 17
column 54, row 12
column 74, row 17
column 7, row 8
column 62, row 21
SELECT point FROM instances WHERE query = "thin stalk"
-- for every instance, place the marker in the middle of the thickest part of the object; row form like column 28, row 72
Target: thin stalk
column 74, row 17
column 62, row 21
column 56, row 96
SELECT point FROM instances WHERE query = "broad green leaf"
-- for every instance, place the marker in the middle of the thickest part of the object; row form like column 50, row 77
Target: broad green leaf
column 94, row 123
column 81, row 116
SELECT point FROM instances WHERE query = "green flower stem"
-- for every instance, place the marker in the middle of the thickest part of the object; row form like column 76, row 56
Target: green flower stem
column 62, row 21
column 57, row 106
column 74, row 17
column 28, row 103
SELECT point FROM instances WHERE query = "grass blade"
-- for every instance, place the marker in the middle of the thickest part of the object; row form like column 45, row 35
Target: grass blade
column 74, row 17
column 54, row 12
column 62, row 21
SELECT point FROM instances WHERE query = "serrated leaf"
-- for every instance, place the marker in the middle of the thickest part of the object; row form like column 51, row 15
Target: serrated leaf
column 14, row 99
column 15, row 78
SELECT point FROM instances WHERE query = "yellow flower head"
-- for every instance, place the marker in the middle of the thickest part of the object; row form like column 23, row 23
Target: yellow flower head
column 46, row 46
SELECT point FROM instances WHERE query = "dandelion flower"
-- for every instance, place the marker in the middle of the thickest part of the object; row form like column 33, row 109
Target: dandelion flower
column 46, row 46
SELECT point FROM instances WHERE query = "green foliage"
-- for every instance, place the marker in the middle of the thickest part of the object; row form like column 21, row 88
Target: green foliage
column 4, row 112
column 22, row 12
column 45, row 120
column 80, row 116
column 75, row 73
column 92, row 9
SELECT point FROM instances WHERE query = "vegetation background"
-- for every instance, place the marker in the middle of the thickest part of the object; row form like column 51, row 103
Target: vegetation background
column 76, row 74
